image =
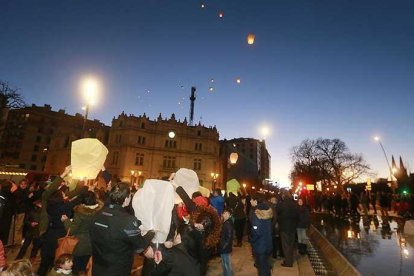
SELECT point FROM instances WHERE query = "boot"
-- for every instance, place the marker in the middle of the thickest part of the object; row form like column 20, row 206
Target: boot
column 303, row 250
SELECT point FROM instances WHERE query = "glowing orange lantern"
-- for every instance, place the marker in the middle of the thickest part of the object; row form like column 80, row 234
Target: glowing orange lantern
column 250, row 39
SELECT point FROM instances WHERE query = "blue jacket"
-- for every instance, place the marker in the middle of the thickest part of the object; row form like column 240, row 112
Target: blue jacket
column 218, row 203
column 261, row 229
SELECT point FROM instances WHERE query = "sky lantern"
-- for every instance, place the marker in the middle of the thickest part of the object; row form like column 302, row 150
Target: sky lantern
column 250, row 39
column 211, row 89
column 238, row 80
column 203, row 5
column 221, row 14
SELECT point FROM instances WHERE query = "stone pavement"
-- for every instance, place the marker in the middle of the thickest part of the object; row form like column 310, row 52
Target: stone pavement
column 243, row 264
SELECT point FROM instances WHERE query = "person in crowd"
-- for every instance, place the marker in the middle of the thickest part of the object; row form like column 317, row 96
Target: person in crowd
column 21, row 196
column 226, row 243
column 303, row 224
column 176, row 259
column 337, row 204
column 19, row 268
column 383, row 201
column 373, row 201
column 32, row 234
column 204, row 221
column 217, row 201
column 2, row 257
column 63, row 266
column 276, row 241
column 199, row 199
column 115, row 235
column 364, row 199
column 84, row 215
column 288, row 215
column 58, row 208
column 354, row 204
column 261, row 233
column 6, row 210
column 235, row 203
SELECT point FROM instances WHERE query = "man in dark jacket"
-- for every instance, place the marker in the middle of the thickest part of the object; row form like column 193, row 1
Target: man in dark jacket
column 261, row 233
column 226, row 243
column 21, row 196
column 6, row 210
column 288, row 214
column 115, row 236
column 237, row 207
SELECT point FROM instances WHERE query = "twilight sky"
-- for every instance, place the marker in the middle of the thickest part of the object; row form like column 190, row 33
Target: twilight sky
column 318, row 68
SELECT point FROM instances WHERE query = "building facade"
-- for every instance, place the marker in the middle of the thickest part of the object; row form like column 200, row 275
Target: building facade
column 140, row 148
column 36, row 138
column 253, row 162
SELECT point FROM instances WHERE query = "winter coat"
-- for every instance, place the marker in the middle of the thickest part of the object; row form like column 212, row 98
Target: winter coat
column 177, row 262
column 226, row 239
column 2, row 256
column 53, row 272
column 80, row 225
column 304, row 217
column 115, row 236
column 6, row 214
column 261, row 229
column 33, row 216
column 56, row 229
column 236, row 205
column 21, row 197
column 218, row 203
column 288, row 214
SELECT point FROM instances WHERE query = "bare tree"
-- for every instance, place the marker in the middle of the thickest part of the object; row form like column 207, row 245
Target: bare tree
column 327, row 160
column 10, row 97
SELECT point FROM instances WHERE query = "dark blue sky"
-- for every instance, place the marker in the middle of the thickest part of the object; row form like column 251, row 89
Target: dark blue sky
column 319, row 68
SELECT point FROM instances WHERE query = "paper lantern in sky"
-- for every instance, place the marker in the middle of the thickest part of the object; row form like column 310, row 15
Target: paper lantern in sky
column 238, row 80
column 211, row 89
column 233, row 158
column 203, row 5
column 232, row 186
column 221, row 14
column 250, row 39
column 87, row 158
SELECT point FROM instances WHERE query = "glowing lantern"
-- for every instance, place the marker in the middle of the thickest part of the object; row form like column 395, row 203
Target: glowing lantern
column 221, row 14
column 211, row 89
column 233, row 157
column 87, row 158
column 211, row 80
column 250, row 39
column 203, row 6
column 238, row 81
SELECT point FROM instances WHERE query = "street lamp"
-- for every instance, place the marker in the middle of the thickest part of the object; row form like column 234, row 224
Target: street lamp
column 132, row 176
column 378, row 139
column 214, row 176
column 90, row 87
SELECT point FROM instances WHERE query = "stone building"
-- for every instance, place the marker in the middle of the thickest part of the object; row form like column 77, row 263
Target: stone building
column 253, row 163
column 140, row 148
column 36, row 138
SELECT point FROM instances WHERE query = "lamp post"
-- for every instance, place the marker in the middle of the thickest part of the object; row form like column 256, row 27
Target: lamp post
column 132, row 177
column 214, row 176
column 378, row 139
column 89, row 90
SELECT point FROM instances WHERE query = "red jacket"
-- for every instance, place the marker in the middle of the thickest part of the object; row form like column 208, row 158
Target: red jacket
column 2, row 256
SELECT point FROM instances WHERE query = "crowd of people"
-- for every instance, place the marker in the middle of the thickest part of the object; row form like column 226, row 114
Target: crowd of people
column 109, row 233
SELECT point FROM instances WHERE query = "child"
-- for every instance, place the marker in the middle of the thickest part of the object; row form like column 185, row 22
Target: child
column 226, row 242
column 19, row 268
column 63, row 266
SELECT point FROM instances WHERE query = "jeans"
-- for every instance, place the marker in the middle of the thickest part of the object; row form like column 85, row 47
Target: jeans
column 226, row 264
column 263, row 265
column 302, row 237
column 288, row 242
column 238, row 228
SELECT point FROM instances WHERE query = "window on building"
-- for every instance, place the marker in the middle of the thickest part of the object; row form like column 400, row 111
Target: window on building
column 143, row 125
column 170, row 144
column 199, row 133
column 198, row 146
column 139, row 159
column 40, row 130
column 44, row 158
column 34, row 157
column 33, row 167
column 141, row 140
column 36, row 148
column 169, row 162
column 197, row 165
column 115, row 158
column 38, row 138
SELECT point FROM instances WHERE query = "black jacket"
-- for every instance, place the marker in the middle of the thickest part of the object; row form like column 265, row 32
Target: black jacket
column 226, row 239
column 288, row 215
column 115, row 236
column 236, row 205
column 177, row 262
column 304, row 217
column 261, row 229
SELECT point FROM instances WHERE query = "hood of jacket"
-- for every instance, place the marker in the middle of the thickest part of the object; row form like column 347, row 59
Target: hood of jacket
column 89, row 210
column 264, row 214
